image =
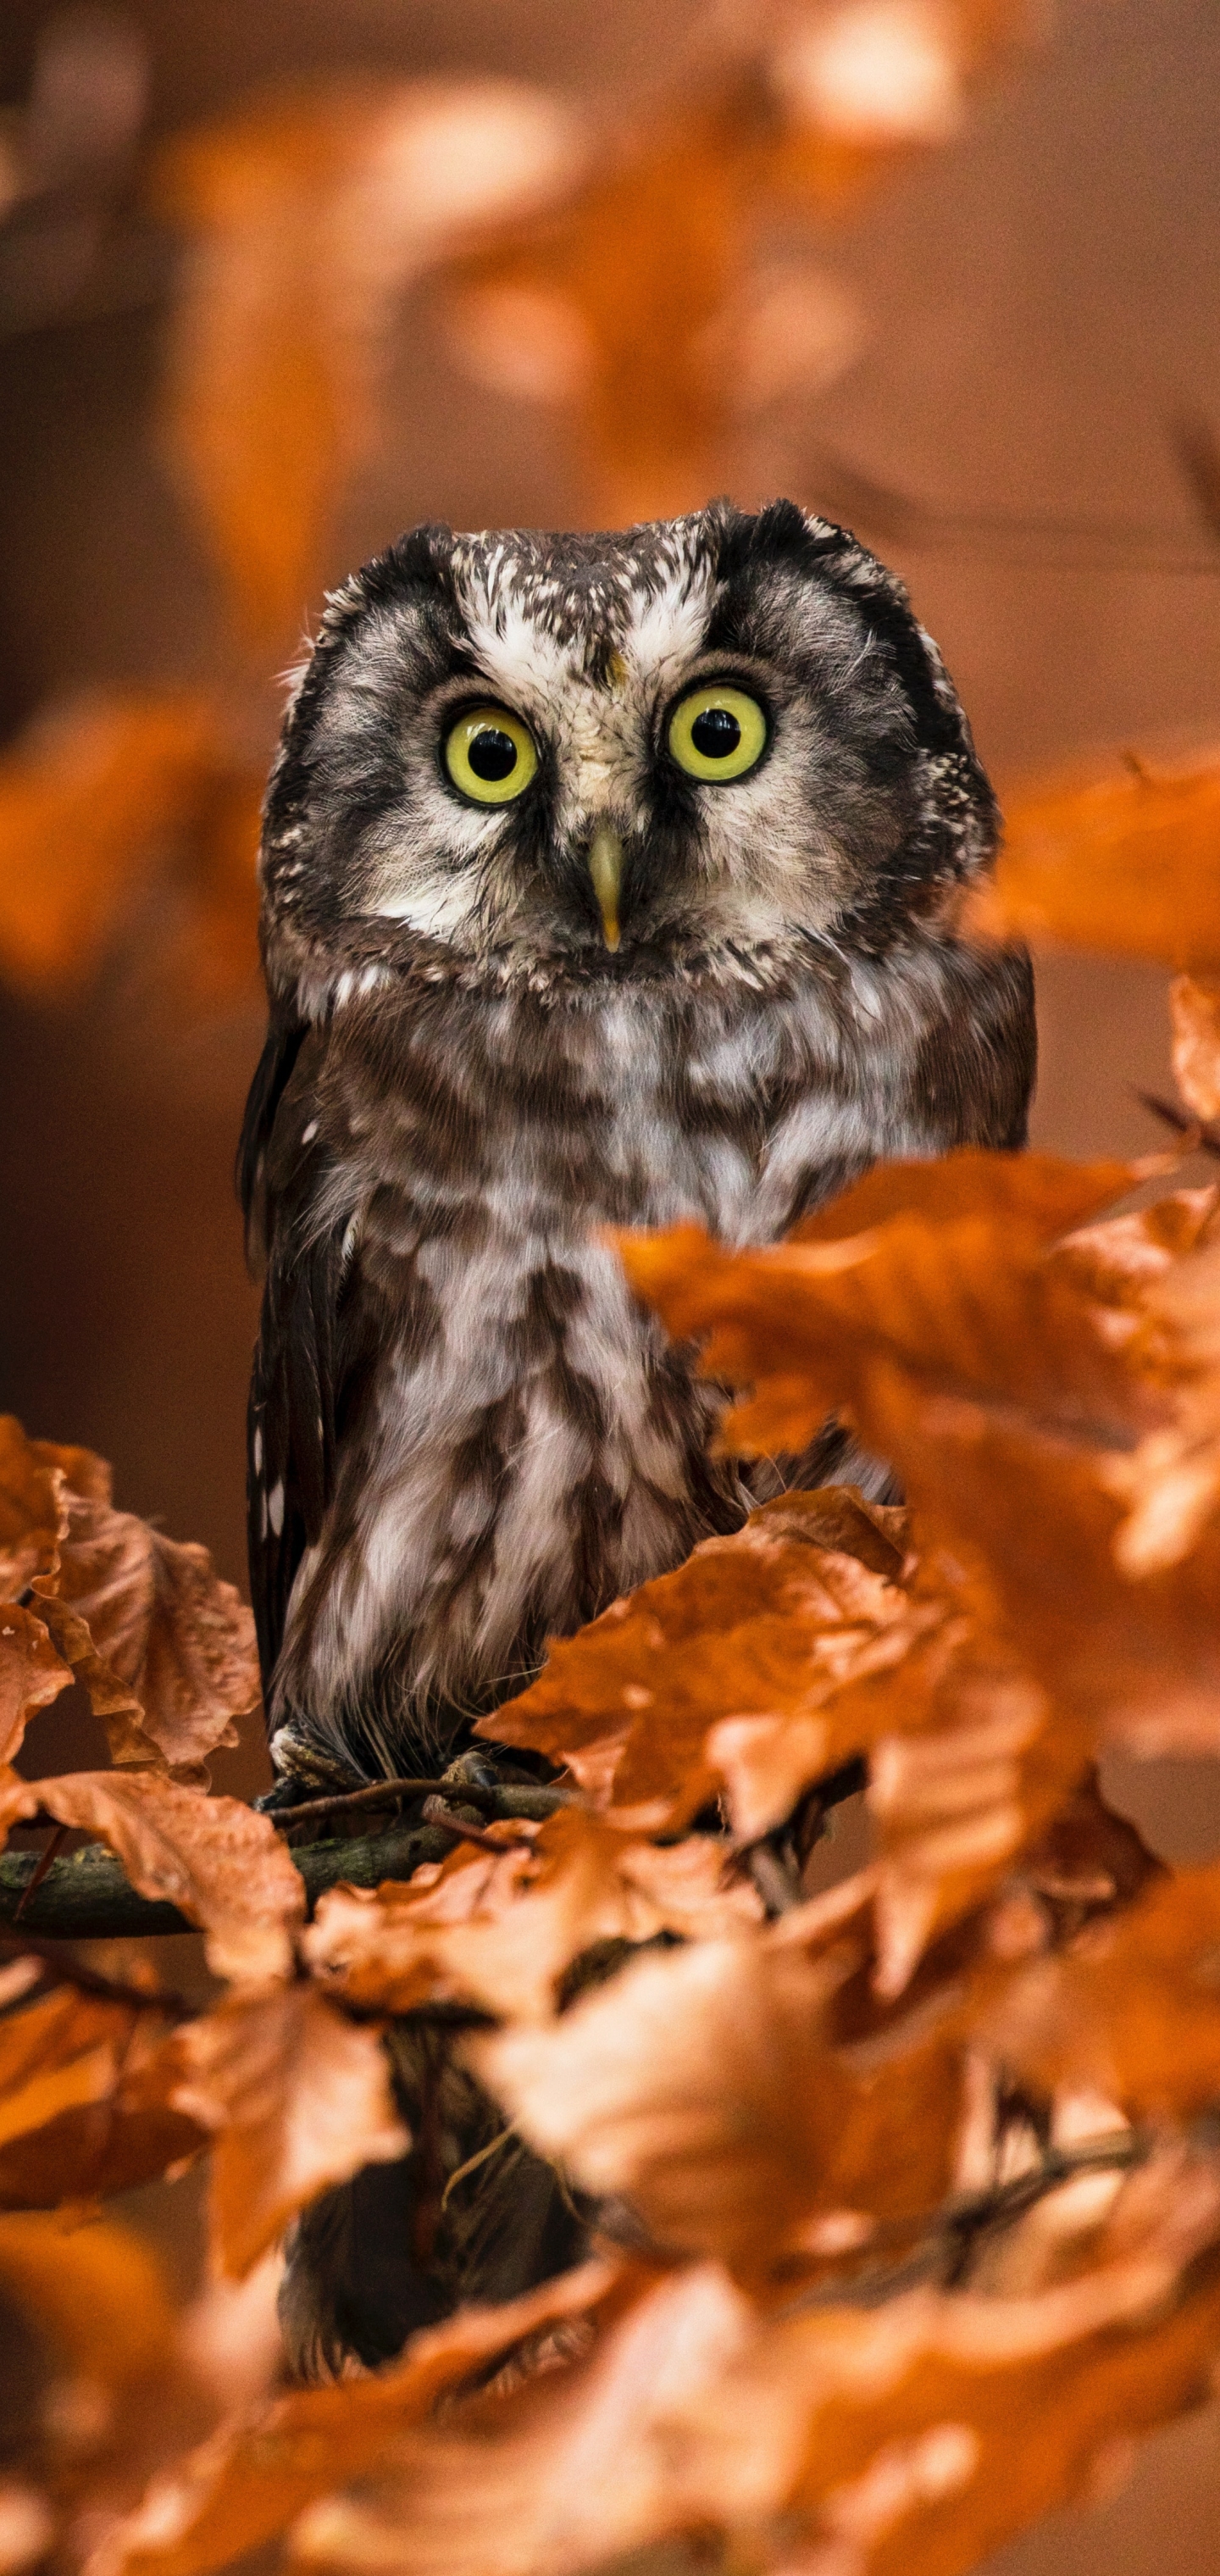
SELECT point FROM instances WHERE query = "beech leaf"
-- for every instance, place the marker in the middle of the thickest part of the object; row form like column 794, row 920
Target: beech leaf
column 221, row 1863
column 298, row 2098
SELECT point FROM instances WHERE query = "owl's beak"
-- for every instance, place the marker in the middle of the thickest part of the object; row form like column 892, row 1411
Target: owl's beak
column 606, row 870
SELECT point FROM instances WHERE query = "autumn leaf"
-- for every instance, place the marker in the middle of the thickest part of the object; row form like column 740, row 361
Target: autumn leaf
column 298, row 2098
column 1194, row 1010
column 32, row 1674
column 97, row 2292
column 87, row 801
column 1127, row 860
column 256, row 2476
column 33, row 1512
column 906, row 2439
column 307, row 215
column 802, row 1596
column 1133, row 2011
column 222, row 1864
column 701, row 2087
column 499, row 1932
column 165, row 1648
column 85, row 2101
column 967, row 1301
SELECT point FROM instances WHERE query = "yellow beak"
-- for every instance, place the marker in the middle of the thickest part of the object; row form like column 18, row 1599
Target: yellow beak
column 606, row 870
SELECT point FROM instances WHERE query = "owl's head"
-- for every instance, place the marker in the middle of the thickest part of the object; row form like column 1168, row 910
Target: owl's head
column 702, row 742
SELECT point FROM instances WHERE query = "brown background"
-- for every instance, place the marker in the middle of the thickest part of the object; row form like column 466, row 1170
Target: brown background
column 1040, row 298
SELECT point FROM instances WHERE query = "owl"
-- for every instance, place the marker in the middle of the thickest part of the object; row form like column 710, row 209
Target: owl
column 607, row 880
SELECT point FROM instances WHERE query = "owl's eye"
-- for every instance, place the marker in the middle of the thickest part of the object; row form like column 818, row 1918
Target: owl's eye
column 490, row 755
column 717, row 733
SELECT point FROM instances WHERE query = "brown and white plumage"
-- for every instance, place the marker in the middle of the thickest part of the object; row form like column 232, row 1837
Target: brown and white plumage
column 626, row 995
column 465, row 1436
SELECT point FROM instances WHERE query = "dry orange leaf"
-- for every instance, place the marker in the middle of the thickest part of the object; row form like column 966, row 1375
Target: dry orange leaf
column 1127, row 860
column 966, row 1302
column 903, row 2440
column 802, row 1597
column 254, row 2477
column 85, row 2101
column 221, row 1863
column 701, row 2087
column 1194, row 1010
column 33, row 1513
column 297, row 2098
column 307, row 214
column 165, row 1648
column 32, row 1674
column 97, row 2291
column 500, row 1932
column 86, row 798
column 1132, row 2011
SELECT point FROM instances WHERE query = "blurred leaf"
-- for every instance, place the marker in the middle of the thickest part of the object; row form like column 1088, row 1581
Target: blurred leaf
column 220, row 1862
column 307, row 214
column 500, row 1933
column 253, row 2478
column 298, row 2098
column 1129, row 861
column 88, row 799
column 905, row 2441
column 701, row 2088
column 85, row 2101
column 95, row 2290
column 1194, row 1007
column 1134, row 2013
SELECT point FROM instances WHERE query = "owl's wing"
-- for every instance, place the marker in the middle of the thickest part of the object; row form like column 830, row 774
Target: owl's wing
column 294, row 1389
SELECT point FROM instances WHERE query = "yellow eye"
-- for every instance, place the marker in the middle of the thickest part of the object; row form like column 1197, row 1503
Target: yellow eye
column 490, row 755
column 717, row 733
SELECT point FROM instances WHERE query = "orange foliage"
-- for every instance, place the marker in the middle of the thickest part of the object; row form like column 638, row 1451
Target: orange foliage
column 1127, row 860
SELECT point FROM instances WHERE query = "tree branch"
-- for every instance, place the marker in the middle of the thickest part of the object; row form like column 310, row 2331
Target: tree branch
column 88, row 1896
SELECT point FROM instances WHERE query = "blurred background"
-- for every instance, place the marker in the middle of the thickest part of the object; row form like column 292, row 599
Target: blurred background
column 277, row 281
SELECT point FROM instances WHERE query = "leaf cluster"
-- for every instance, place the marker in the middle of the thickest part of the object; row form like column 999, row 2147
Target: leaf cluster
column 903, row 2188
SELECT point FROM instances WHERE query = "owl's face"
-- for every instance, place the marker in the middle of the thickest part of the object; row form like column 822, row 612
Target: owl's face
column 714, row 736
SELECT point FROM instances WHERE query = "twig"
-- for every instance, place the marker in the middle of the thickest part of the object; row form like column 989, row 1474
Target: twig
column 1197, row 1136
column 528, row 1800
column 437, row 1811
column 49, row 1852
column 945, row 2236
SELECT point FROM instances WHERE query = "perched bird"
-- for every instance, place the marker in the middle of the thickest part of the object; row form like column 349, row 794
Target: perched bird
column 606, row 880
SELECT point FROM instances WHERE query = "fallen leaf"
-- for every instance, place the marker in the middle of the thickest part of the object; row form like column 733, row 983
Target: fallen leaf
column 298, row 2098
column 221, row 1863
